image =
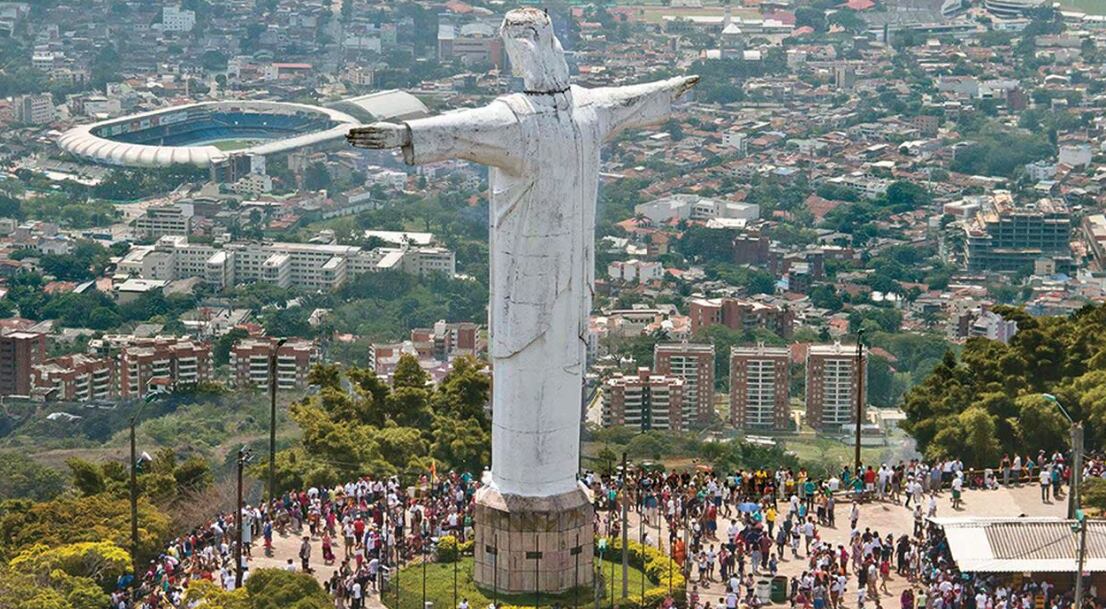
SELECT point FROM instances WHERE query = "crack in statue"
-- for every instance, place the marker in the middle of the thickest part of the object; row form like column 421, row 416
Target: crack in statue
column 543, row 148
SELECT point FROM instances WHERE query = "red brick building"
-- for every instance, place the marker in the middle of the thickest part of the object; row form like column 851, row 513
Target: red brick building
column 162, row 364
column 76, row 377
column 832, row 383
column 644, row 401
column 19, row 352
column 694, row 364
column 250, row 361
column 740, row 315
column 760, row 388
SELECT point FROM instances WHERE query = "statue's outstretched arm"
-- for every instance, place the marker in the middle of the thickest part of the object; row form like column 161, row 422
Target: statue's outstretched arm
column 488, row 135
column 637, row 106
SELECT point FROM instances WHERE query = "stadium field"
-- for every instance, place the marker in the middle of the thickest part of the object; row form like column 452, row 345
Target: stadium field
column 1091, row 7
column 227, row 145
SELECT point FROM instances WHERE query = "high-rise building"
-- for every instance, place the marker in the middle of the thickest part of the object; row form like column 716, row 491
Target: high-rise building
column 445, row 341
column 163, row 220
column 76, row 377
column 741, row 315
column 19, row 352
column 162, row 364
column 694, row 364
column 1004, row 236
column 832, row 381
column 250, row 360
column 760, row 387
column 434, row 348
column 643, row 401
column 33, row 109
column 844, row 75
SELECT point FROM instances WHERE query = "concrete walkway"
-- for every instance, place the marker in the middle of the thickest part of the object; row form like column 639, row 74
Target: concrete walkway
column 884, row 517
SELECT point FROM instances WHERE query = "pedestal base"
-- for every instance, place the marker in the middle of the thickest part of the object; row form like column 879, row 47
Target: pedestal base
column 528, row 544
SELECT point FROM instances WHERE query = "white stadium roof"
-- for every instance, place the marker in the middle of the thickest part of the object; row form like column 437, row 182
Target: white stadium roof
column 388, row 105
column 82, row 142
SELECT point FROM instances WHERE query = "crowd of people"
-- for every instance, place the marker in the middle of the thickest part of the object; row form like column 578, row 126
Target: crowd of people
column 728, row 532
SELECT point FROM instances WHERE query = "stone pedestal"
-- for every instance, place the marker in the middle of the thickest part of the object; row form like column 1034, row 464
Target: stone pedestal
column 523, row 539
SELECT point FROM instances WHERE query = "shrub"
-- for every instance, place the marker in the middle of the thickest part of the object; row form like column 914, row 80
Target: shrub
column 448, row 549
column 657, row 566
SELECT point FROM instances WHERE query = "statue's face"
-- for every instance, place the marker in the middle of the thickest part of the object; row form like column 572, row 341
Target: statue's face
column 535, row 53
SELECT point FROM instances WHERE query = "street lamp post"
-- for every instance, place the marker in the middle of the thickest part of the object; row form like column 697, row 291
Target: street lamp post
column 244, row 456
column 859, row 393
column 272, row 416
column 1082, row 524
column 149, row 397
column 624, row 496
column 1076, row 456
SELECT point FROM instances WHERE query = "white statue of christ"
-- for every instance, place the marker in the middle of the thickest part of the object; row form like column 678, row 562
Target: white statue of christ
column 543, row 149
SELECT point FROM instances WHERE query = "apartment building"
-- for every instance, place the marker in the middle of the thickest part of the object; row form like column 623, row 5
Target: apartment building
column 33, row 109
column 19, row 353
column 163, row 220
column 644, row 401
column 76, row 377
column 161, row 364
column 832, row 382
column 446, row 340
column 760, row 388
column 694, row 365
column 741, row 315
column 250, row 361
column 307, row 266
column 434, row 347
column 1005, row 236
column 635, row 271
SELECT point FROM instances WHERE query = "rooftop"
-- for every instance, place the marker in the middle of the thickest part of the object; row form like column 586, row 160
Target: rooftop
column 1022, row 545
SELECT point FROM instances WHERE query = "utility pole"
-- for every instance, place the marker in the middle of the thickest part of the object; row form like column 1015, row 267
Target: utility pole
column 134, row 498
column 625, row 539
column 272, row 417
column 1082, row 524
column 859, row 394
column 239, row 521
column 1076, row 456
column 1074, row 492
column 149, row 397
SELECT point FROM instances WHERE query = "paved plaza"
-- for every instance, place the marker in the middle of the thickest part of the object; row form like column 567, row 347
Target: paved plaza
column 883, row 517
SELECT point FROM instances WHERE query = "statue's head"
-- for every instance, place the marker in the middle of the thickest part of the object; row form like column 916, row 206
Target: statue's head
column 535, row 53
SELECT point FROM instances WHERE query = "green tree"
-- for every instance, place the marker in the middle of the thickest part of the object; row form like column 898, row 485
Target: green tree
column 226, row 342
column 409, row 373
column 317, row 177
column 21, row 477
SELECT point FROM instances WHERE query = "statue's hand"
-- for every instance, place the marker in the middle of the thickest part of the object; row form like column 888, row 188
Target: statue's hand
column 379, row 136
column 685, row 84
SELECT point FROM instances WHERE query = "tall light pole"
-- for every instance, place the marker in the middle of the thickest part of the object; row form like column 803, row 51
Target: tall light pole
column 272, row 416
column 244, row 456
column 149, row 397
column 1076, row 455
column 624, row 496
column 859, row 394
column 1081, row 523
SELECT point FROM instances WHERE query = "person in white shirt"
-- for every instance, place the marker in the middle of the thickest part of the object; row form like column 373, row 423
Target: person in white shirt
column 355, row 594
column 464, row 604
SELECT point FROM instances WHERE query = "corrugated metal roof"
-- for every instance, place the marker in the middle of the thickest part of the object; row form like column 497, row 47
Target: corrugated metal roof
column 1009, row 545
